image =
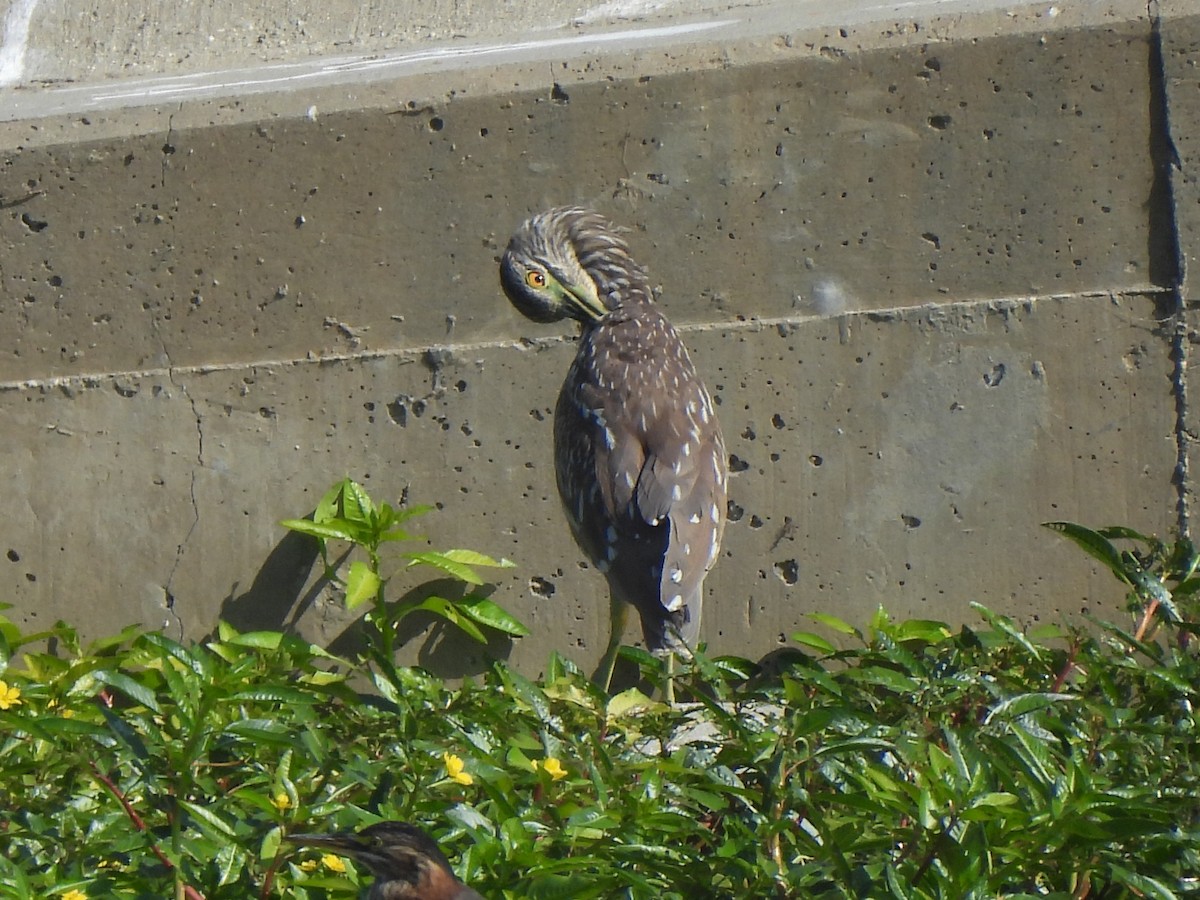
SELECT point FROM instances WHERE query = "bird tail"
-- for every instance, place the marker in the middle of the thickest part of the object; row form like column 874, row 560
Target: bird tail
column 675, row 632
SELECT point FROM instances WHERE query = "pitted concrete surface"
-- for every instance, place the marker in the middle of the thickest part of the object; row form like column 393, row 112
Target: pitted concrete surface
column 929, row 259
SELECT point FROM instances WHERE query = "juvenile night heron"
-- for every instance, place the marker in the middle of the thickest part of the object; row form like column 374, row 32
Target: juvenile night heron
column 406, row 862
column 638, row 452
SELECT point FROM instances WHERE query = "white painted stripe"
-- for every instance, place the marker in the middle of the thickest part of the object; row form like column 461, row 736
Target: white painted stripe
column 15, row 40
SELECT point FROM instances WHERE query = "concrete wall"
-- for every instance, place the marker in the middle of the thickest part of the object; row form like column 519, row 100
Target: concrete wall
column 932, row 267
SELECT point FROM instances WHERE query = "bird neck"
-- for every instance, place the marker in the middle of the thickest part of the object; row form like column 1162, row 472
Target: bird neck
column 624, row 296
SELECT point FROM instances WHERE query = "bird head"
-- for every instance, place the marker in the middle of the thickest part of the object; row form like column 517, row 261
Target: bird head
column 558, row 265
column 405, row 861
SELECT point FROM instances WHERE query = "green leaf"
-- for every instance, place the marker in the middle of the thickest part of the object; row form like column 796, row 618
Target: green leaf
column 356, row 504
column 328, row 505
column 274, row 693
column 815, row 641
column 474, row 558
column 333, row 530
column 1094, row 545
column 885, row 677
column 1120, row 532
column 362, row 584
column 52, row 728
column 131, row 688
column 485, row 612
column 192, row 657
column 257, row 640
column 445, row 563
column 1146, row 886
column 836, row 624
column 264, row 731
column 208, row 818
column 440, row 606
column 925, row 630
column 1014, row 707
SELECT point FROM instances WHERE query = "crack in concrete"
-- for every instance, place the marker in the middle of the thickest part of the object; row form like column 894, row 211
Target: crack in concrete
column 407, row 355
column 168, row 148
column 1166, row 162
column 168, row 594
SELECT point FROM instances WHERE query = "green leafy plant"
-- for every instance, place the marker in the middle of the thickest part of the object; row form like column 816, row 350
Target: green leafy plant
column 906, row 759
column 1161, row 576
column 347, row 514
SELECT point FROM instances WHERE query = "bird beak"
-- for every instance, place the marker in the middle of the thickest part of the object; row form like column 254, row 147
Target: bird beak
column 584, row 302
column 346, row 842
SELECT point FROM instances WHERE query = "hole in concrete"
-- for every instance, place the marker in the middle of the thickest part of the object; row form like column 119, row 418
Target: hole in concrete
column 14, row 556
column 788, row 571
column 910, row 522
column 941, row 123
column 436, row 123
column 541, row 586
column 398, row 410
column 737, row 464
column 733, row 512
column 995, row 376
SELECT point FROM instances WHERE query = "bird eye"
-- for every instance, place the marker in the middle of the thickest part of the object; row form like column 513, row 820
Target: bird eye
column 535, row 279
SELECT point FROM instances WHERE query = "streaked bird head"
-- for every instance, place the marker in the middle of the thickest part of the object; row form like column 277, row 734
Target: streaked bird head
column 566, row 263
column 406, row 862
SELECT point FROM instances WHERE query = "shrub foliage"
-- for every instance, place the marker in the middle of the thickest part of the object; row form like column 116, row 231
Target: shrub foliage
column 905, row 759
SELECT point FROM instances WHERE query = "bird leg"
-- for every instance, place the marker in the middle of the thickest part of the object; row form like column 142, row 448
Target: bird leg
column 669, row 683
column 618, row 612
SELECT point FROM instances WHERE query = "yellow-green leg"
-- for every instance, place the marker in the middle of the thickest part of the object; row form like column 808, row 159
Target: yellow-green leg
column 669, row 685
column 618, row 614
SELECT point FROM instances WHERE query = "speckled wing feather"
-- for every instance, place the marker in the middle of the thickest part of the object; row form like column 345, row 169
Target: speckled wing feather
column 634, row 415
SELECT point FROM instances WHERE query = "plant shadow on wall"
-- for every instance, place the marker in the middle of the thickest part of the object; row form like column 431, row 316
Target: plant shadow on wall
column 348, row 532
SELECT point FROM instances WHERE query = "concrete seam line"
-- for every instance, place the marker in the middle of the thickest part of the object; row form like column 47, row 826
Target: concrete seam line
column 408, row 355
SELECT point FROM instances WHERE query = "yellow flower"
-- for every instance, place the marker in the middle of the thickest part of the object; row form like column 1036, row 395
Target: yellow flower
column 454, row 769
column 10, row 697
column 281, row 801
column 309, row 865
column 554, row 768
column 333, row 863
column 72, row 894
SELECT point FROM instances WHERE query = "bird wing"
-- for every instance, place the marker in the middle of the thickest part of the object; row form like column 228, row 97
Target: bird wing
column 659, row 456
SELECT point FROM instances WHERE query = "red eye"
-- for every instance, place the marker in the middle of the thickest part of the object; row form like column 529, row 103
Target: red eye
column 535, row 279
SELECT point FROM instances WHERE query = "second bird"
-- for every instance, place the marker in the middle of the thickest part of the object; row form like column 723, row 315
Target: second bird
column 639, row 456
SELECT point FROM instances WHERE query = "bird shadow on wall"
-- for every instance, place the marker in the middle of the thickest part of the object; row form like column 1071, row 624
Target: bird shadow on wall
column 285, row 590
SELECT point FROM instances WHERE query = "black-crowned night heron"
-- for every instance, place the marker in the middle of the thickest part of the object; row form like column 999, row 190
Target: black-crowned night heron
column 638, row 452
column 406, row 862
